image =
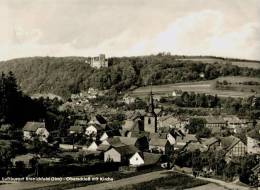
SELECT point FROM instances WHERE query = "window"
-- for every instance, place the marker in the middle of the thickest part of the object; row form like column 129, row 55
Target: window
column 149, row 120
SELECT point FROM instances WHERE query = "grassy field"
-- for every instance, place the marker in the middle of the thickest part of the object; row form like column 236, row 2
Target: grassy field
column 249, row 64
column 207, row 87
column 172, row 181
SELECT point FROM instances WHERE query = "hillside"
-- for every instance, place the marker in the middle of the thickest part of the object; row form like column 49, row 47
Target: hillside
column 66, row 75
column 208, row 87
column 211, row 59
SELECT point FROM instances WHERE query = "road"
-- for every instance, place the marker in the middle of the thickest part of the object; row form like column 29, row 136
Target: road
column 126, row 181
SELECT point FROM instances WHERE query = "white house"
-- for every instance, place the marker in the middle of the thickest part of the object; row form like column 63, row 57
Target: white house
column 93, row 130
column 176, row 93
column 136, row 160
column 34, row 130
column 93, row 146
column 119, row 154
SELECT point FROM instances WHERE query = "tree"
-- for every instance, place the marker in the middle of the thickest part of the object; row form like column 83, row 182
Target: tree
column 195, row 125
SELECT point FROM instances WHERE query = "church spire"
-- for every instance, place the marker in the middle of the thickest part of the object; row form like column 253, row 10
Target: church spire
column 151, row 102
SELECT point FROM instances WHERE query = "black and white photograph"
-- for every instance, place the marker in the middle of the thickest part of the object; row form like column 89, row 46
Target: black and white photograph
column 129, row 94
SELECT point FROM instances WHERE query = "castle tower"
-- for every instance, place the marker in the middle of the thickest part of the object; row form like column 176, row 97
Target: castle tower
column 150, row 119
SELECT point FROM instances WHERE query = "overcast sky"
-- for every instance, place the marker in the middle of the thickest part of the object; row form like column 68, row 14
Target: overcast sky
column 229, row 28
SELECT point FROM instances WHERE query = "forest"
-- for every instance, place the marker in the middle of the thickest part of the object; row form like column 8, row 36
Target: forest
column 66, row 75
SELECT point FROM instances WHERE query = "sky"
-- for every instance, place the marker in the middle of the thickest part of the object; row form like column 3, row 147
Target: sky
column 228, row 28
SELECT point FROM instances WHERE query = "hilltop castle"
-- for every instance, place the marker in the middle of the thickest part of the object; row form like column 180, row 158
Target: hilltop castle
column 97, row 62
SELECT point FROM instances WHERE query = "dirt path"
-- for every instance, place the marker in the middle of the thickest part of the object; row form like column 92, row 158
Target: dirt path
column 126, row 181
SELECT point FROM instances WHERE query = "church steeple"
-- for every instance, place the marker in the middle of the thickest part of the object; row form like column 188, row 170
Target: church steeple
column 151, row 103
column 150, row 119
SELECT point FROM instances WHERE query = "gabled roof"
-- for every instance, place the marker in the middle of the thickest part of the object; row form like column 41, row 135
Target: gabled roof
column 229, row 142
column 158, row 142
column 186, row 138
column 232, row 119
column 158, row 135
column 209, row 141
column 118, row 141
column 103, row 147
column 193, row 146
column 213, row 119
column 126, row 150
column 33, row 126
column 151, row 158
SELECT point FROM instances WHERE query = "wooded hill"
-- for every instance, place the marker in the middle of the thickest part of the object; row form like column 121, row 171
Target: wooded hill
column 66, row 75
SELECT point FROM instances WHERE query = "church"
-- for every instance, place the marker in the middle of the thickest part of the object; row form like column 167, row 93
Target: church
column 150, row 118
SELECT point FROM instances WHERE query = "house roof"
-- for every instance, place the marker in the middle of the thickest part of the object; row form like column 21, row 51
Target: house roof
column 126, row 150
column 213, row 119
column 151, row 158
column 232, row 119
column 228, row 142
column 186, row 138
column 103, row 147
column 209, row 141
column 192, row 147
column 118, row 141
column 33, row 126
column 158, row 142
column 158, row 135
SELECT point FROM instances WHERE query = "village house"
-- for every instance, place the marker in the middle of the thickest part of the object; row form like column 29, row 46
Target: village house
column 144, row 159
column 120, row 154
column 233, row 147
column 128, row 99
column 253, row 141
column 34, row 130
column 93, row 131
column 211, row 143
column 109, row 134
column 215, row 122
column 183, row 140
column 177, row 93
column 92, row 146
column 161, row 146
column 167, row 121
column 234, row 123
